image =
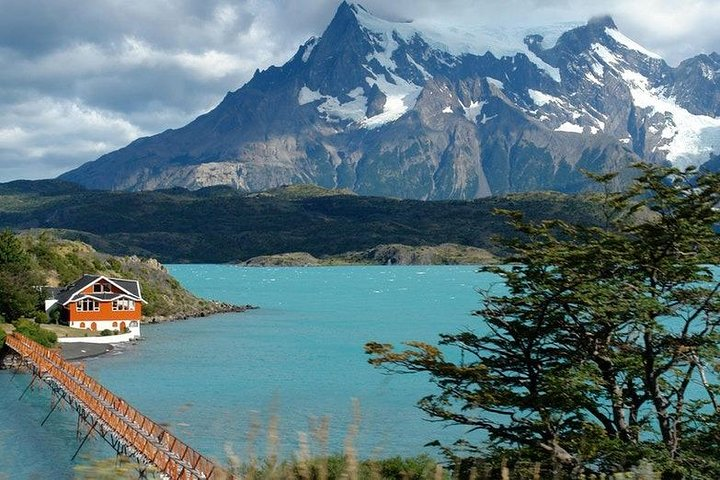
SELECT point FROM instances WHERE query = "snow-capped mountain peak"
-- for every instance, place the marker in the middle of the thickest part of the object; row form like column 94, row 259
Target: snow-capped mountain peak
column 421, row 109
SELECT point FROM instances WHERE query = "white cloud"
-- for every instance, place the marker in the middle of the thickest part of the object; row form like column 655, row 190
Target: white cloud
column 35, row 130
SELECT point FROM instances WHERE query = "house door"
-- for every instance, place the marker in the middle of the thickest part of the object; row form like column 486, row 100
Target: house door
column 123, row 327
column 93, row 326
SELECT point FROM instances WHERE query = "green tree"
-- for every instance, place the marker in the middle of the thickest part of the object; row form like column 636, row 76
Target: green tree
column 596, row 353
column 18, row 279
column 33, row 331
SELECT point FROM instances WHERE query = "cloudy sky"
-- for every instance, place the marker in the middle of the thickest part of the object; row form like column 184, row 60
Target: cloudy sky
column 79, row 78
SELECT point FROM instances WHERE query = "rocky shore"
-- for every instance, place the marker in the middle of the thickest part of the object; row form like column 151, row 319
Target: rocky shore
column 207, row 309
column 390, row 254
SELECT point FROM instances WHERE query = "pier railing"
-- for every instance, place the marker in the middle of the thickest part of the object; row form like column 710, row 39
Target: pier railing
column 109, row 414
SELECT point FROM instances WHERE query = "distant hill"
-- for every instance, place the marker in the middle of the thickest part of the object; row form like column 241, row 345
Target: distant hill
column 218, row 224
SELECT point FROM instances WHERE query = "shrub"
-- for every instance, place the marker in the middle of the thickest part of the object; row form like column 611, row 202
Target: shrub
column 41, row 317
column 34, row 332
column 106, row 333
column 2, row 337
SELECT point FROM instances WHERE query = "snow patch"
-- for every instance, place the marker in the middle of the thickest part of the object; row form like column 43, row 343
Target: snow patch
column 422, row 70
column 598, row 69
column 593, row 78
column 309, row 47
column 540, row 99
column 306, row 96
column 495, row 82
column 632, row 45
column 332, row 108
column 569, row 127
column 399, row 98
column 473, row 110
column 668, row 132
column 708, row 72
column 605, row 54
column 690, row 138
column 471, row 38
column 486, row 119
column 447, row 110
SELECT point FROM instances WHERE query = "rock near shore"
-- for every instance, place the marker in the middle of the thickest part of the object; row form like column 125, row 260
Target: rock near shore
column 391, row 254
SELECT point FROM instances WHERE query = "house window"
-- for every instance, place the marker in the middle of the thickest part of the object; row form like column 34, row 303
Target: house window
column 123, row 304
column 87, row 305
column 82, row 324
column 114, row 324
column 101, row 288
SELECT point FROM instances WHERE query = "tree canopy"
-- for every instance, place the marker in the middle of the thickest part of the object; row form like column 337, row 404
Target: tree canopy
column 599, row 351
column 18, row 280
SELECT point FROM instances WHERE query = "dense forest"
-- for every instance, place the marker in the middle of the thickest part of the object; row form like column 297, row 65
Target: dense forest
column 220, row 224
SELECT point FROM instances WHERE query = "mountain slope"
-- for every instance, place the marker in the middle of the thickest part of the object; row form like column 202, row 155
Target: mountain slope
column 417, row 110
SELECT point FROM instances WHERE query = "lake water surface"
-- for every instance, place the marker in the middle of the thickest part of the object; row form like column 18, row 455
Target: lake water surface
column 299, row 357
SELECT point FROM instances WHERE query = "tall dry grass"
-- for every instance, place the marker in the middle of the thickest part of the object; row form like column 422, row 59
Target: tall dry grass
column 312, row 460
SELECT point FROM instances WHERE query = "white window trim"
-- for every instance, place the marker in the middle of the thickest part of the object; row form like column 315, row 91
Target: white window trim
column 123, row 305
column 80, row 305
column 103, row 288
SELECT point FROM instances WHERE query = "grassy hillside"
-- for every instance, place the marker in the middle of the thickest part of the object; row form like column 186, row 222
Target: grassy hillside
column 60, row 261
column 219, row 224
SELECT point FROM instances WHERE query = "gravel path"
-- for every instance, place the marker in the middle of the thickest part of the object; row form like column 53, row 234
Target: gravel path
column 76, row 351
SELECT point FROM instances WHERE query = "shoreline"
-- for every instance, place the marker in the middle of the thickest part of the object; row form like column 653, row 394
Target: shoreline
column 216, row 308
column 80, row 351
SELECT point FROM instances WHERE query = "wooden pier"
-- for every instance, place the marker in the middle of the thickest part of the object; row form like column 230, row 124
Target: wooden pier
column 128, row 431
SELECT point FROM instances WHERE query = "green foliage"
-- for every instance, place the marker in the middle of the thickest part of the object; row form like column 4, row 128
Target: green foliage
column 41, row 317
column 34, row 332
column 52, row 255
column 18, row 295
column 180, row 226
column 106, row 333
column 2, row 337
column 591, row 350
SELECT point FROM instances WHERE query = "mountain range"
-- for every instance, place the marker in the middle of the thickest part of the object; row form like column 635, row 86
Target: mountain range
column 426, row 111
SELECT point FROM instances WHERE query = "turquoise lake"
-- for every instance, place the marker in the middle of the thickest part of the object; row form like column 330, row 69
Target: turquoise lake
column 298, row 358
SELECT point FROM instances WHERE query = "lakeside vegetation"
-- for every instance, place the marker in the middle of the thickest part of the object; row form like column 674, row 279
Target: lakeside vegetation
column 221, row 225
column 31, row 261
column 601, row 354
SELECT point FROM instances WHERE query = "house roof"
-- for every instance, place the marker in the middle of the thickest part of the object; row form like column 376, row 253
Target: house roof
column 73, row 292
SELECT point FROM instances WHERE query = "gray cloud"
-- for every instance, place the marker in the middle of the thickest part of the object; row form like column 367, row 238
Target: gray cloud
column 78, row 79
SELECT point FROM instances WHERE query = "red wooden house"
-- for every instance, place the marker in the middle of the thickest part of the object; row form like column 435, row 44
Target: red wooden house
column 96, row 302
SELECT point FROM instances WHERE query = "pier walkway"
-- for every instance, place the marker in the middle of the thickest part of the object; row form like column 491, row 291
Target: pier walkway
column 128, row 431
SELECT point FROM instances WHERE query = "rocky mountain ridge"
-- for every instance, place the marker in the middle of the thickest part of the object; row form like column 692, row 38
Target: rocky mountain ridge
column 416, row 110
